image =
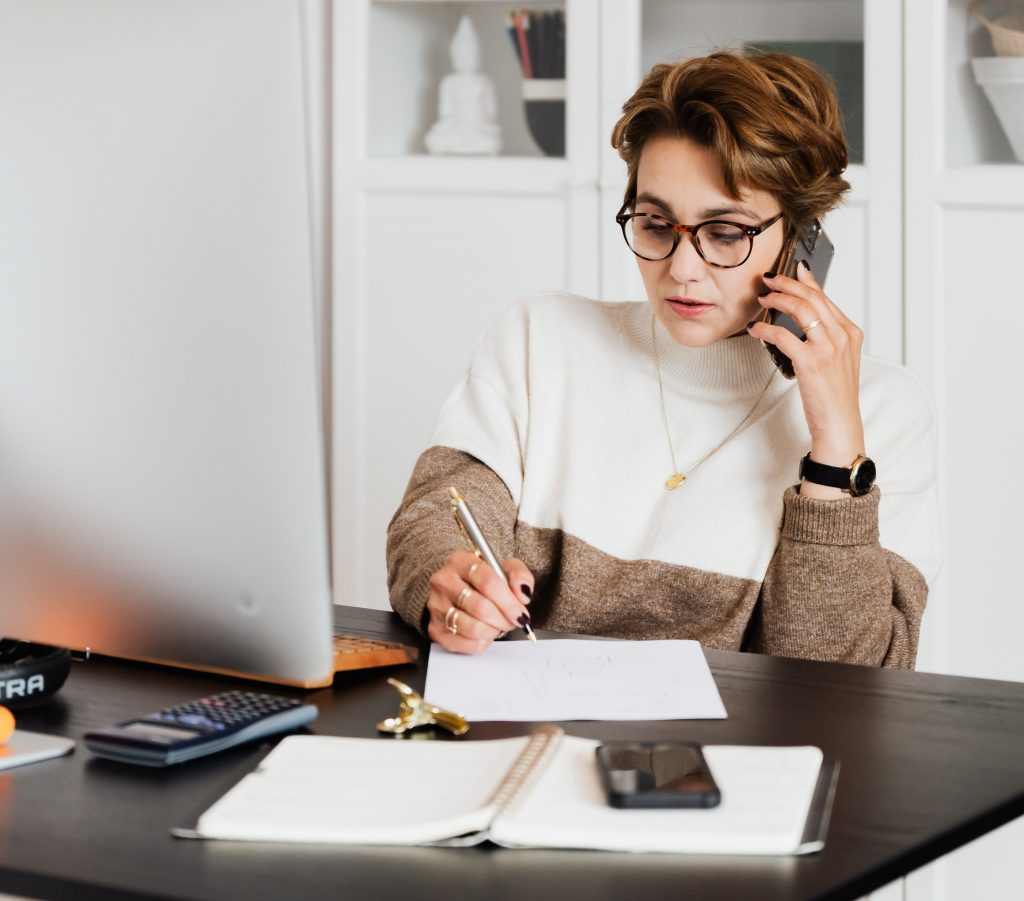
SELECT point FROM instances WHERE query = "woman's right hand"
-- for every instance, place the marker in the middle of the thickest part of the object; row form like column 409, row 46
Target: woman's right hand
column 470, row 604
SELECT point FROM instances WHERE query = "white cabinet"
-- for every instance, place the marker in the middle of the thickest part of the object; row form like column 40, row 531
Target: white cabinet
column 965, row 214
column 428, row 250
column 964, row 200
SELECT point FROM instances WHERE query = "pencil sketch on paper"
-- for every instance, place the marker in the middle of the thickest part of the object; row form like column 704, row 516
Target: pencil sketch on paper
column 576, row 680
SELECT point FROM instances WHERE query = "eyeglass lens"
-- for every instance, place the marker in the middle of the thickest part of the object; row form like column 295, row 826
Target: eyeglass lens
column 720, row 243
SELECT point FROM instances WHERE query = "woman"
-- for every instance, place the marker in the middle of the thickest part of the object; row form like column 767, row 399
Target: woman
column 635, row 465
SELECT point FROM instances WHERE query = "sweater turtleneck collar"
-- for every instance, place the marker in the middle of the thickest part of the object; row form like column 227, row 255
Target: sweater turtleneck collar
column 734, row 366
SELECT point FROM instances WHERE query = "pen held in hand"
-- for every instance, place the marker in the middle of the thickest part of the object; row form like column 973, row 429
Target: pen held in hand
column 468, row 524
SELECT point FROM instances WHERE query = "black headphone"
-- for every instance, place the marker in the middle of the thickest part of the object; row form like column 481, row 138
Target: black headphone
column 30, row 673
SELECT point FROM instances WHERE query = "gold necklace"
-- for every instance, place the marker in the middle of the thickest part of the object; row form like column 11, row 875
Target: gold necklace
column 677, row 478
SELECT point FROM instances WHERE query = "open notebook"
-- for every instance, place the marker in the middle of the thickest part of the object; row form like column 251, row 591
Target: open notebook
column 541, row 790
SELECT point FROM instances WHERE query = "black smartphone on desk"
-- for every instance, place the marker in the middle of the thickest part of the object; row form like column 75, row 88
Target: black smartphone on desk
column 812, row 246
column 656, row 774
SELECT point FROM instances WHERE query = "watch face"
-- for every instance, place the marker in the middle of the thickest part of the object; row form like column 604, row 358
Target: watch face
column 863, row 477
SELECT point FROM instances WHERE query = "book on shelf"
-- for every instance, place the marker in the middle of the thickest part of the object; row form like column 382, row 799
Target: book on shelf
column 541, row 790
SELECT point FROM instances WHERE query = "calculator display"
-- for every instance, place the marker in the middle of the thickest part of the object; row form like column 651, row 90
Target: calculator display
column 161, row 734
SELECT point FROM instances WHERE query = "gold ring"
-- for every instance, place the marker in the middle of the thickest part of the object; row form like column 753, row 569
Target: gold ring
column 472, row 569
column 463, row 597
column 811, row 325
column 451, row 621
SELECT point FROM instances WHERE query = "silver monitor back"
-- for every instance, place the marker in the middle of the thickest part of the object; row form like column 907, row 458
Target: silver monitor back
column 161, row 448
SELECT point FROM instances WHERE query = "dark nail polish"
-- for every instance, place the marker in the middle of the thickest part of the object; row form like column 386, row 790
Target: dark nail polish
column 524, row 618
column 806, row 265
column 764, row 293
column 769, row 275
column 526, row 590
column 750, row 324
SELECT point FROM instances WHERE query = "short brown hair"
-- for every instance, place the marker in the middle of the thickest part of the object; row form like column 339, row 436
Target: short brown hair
column 772, row 120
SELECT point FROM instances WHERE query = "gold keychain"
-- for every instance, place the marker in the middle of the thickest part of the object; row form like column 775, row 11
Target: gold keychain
column 414, row 712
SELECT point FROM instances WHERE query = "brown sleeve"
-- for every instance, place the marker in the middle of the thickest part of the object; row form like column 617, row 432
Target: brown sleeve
column 832, row 592
column 422, row 533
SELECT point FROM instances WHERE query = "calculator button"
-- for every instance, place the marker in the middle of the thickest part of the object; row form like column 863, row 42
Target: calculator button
column 226, row 710
column 192, row 719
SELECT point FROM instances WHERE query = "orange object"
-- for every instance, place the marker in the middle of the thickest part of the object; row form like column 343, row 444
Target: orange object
column 6, row 724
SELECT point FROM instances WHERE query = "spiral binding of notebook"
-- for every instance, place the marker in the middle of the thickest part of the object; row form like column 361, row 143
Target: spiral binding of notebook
column 543, row 743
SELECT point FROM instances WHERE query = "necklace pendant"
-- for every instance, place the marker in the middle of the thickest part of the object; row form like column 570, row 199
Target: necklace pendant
column 674, row 481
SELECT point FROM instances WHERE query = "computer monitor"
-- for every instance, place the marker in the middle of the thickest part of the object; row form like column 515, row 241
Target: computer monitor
column 161, row 445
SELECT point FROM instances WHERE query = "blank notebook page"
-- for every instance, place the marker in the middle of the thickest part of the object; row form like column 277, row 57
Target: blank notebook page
column 766, row 796
column 349, row 790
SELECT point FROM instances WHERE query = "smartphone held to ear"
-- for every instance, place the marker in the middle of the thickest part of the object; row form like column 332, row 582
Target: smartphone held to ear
column 813, row 247
column 660, row 774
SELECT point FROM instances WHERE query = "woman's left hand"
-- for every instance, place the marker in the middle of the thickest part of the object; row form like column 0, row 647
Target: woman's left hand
column 827, row 365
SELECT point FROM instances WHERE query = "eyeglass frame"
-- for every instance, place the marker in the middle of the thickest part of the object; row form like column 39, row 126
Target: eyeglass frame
column 751, row 231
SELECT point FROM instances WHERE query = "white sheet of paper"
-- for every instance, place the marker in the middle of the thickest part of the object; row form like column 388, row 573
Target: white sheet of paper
column 28, row 747
column 576, row 679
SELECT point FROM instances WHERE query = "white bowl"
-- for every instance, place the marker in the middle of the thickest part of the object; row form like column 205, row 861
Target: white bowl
column 1002, row 79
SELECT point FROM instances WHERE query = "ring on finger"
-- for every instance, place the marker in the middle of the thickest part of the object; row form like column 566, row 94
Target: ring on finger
column 463, row 597
column 472, row 569
column 811, row 325
column 451, row 621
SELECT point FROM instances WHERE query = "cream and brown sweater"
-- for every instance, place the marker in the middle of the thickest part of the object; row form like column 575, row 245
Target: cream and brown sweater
column 556, row 439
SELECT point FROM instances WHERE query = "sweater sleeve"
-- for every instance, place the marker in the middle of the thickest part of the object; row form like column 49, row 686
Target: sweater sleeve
column 849, row 578
column 423, row 533
column 832, row 592
column 477, row 448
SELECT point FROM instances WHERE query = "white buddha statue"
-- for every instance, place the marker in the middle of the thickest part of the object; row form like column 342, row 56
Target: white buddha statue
column 467, row 107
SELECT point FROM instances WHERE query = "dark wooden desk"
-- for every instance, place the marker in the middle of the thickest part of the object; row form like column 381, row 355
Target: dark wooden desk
column 928, row 763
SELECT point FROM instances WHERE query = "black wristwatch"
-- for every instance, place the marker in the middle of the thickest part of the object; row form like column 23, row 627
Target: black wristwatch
column 856, row 479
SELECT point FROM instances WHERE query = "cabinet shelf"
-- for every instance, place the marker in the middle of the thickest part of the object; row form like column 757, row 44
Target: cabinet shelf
column 985, row 185
column 408, row 44
column 476, row 175
column 973, row 135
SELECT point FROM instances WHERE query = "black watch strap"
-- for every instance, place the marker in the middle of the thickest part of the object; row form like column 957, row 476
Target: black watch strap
column 857, row 478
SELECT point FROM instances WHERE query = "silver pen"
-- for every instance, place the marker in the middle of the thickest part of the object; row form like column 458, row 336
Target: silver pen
column 481, row 548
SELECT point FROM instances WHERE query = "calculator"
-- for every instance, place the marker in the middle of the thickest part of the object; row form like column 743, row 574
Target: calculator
column 200, row 727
